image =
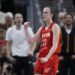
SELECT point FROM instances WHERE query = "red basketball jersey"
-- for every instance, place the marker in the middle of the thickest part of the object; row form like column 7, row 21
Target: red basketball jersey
column 47, row 41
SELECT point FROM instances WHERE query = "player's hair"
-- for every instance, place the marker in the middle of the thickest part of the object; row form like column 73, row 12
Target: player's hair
column 51, row 10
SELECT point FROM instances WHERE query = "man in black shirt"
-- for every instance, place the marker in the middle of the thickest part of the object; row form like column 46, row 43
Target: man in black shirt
column 67, row 55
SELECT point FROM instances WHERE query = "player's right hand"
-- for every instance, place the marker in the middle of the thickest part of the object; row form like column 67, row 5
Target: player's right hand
column 26, row 25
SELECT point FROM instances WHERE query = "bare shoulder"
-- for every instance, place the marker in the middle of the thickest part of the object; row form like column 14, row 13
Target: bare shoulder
column 40, row 29
column 56, row 28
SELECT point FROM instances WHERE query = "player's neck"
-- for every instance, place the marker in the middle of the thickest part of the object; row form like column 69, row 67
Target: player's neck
column 47, row 23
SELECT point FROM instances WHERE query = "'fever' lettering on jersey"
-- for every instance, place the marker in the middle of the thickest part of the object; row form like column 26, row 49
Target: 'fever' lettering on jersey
column 45, row 35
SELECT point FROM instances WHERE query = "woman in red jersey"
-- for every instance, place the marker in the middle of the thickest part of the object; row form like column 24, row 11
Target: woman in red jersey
column 49, row 35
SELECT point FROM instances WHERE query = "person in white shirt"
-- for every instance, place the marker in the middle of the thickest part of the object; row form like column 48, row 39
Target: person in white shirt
column 19, row 48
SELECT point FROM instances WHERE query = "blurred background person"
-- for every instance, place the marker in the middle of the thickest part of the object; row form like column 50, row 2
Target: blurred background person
column 60, row 18
column 8, row 21
column 67, row 55
column 18, row 48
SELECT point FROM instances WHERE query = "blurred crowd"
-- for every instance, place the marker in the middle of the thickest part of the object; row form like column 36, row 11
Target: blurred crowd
column 66, row 21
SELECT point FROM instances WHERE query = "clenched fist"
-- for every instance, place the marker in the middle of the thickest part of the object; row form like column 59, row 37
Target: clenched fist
column 26, row 25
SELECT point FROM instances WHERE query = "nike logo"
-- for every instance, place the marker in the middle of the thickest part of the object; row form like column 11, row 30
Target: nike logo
column 47, row 70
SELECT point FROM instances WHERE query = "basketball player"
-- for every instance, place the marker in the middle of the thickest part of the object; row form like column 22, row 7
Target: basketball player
column 49, row 36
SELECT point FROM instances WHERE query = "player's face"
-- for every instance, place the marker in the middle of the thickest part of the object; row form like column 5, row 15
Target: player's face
column 18, row 19
column 68, row 19
column 46, row 14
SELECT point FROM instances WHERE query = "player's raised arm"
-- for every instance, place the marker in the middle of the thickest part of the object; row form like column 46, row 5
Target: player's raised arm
column 30, row 38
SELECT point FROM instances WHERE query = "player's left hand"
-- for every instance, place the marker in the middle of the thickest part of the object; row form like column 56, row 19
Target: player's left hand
column 43, row 60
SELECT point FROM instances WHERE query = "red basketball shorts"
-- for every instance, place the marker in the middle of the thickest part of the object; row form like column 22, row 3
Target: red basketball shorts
column 48, row 68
